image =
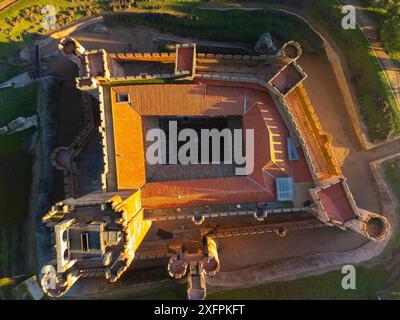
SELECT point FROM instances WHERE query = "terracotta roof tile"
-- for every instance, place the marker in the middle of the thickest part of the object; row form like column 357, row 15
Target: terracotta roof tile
column 336, row 203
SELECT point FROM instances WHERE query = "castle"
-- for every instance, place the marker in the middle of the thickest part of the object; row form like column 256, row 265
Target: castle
column 116, row 212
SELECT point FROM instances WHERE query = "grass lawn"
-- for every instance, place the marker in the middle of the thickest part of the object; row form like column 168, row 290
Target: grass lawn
column 327, row 286
column 15, row 175
column 7, row 72
column 15, row 161
column 19, row 27
column 392, row 175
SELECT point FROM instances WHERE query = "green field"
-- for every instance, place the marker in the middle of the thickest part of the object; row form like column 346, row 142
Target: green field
column 15, row 161
column 15, row 175
column 328, row 286
column 392, row 175
column 21, row 24
column 384, row 277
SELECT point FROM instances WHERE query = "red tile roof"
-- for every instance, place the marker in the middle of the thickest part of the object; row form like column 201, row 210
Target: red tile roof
column 228, row 190
column 336, row 203
column 208, row 98
column 129, row 149
column 185, row 58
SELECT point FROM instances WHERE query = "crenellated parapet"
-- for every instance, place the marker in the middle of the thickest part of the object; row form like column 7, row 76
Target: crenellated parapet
column 56, row 285
column 291, row 50
column 149, row 57
column 72, row 49
column 230, row 78
column 373, row 226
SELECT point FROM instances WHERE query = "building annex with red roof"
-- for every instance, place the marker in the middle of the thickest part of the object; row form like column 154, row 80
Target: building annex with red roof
column 295, row 177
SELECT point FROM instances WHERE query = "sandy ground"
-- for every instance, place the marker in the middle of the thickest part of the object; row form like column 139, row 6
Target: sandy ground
column 124, row 39
column 328, row 103
column 138, row 38
column 269, row 247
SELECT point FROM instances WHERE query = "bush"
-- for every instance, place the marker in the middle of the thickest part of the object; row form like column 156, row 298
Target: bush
column 390, row 32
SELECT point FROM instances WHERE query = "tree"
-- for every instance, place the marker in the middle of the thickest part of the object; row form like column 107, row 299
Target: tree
column 390, row 32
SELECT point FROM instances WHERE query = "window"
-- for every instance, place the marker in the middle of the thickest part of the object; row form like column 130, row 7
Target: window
column 284, row 188
column 85, row 241
column 292, row 151
column 123, row 97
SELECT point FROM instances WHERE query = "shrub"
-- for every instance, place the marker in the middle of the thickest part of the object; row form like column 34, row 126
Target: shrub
column 390, row 32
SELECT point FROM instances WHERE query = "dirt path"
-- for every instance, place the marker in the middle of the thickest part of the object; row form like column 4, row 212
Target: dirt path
column 370, row 29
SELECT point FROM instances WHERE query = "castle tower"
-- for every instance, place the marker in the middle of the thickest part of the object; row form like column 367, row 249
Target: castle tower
column 373, row 226
column 95, row 235
column 72, row 49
